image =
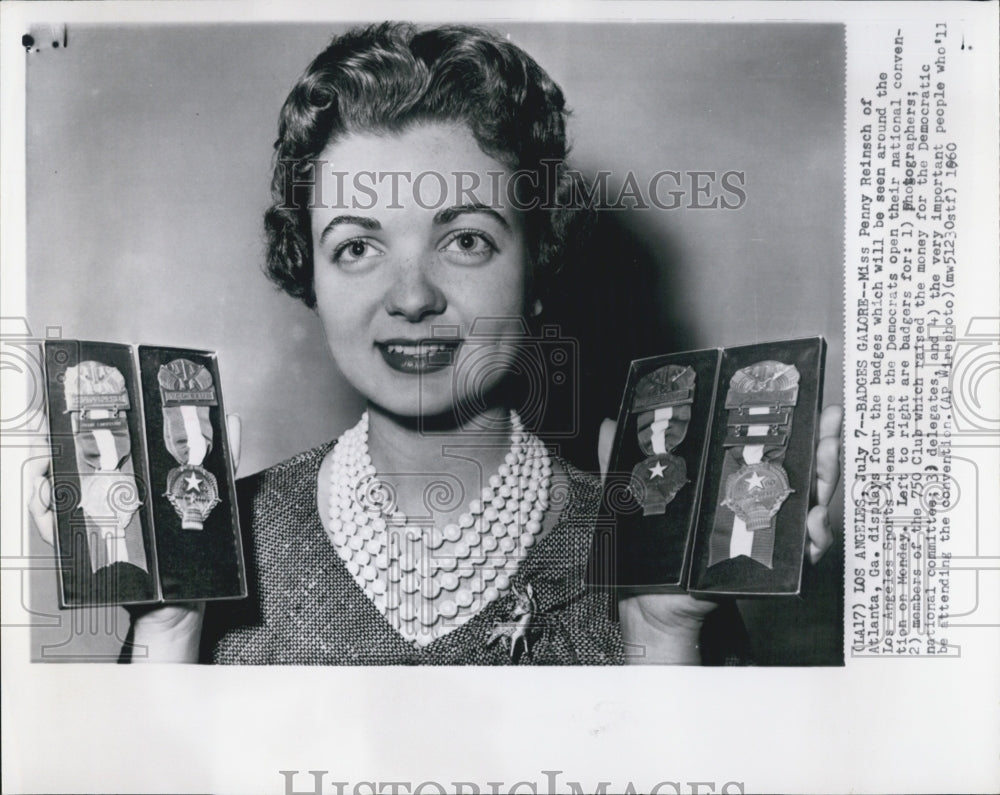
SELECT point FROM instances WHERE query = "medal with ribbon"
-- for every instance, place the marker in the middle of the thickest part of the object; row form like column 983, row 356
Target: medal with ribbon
column 760, row 401
column 97, row 400
column 187, row 392
column 662, row 400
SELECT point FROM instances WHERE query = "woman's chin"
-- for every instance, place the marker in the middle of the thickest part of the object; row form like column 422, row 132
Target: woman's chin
column 429, row 412
column 439, row 400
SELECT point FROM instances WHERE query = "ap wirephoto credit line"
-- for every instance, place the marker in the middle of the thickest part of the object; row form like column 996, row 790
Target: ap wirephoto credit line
column 922, row 344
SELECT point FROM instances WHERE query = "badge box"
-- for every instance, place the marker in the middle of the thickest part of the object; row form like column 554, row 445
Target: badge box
column 668, row 521
column 143, row 486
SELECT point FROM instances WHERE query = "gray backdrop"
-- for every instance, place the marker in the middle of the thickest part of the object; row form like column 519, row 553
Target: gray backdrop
column 148, row 166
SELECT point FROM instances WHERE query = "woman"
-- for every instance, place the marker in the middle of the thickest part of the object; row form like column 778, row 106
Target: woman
column 420, row 206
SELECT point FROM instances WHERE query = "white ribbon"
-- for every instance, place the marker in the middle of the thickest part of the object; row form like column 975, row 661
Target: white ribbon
column 661, row 421
column 197, row 449
column 741, row 541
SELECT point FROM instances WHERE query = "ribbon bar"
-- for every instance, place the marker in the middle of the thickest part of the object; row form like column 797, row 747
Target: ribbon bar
column 738, row 437
column 742, row 416
column 675, row 397
column 112, row 401
column 115, row 423
column 775, row 400
column 179, row 397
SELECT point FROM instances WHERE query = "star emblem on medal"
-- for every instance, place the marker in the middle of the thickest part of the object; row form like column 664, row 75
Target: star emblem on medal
column 656, row 471
column 755, row 481
column 193, row 482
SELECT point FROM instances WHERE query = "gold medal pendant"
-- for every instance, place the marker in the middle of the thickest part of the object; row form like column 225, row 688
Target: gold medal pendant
column 656, row 481
column 194, row 492
column 755, row 493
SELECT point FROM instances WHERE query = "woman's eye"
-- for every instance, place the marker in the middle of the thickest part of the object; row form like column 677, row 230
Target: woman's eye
column 469, row 245
column 354, row 251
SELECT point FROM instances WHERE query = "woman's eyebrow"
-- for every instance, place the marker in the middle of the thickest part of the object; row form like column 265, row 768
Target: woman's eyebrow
column 355, row 220
column 449, row 214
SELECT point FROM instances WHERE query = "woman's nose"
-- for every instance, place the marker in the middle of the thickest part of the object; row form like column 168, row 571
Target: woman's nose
column 414, row 295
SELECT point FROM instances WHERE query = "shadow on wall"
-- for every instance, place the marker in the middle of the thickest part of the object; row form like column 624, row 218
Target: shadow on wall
column 613, row 302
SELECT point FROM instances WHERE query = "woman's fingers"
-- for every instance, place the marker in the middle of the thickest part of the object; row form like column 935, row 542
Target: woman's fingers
column 38, row 490
column 827, row 478
column 235, row 427
column 605, row 441
column 820, row 534
column 41, row 514
column 828, row 453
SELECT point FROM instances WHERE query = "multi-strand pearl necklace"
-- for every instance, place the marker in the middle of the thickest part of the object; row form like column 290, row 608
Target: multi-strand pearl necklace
column 427, row 581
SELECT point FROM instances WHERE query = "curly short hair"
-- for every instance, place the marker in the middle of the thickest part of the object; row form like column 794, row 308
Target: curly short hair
column 387, row 77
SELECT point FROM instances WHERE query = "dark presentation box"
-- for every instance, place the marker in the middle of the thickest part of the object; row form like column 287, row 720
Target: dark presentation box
column 711, row 472
column 143, row 485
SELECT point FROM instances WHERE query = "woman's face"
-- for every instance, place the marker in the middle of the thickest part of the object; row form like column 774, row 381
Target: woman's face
column 412, row 248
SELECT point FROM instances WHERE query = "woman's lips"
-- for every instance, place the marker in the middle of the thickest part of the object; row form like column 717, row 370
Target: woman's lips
column 418, row 356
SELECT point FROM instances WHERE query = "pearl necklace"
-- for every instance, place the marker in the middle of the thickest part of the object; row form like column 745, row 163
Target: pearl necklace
column 426, row 581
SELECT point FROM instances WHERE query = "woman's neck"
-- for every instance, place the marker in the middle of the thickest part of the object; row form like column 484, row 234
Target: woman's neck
column 436, row 465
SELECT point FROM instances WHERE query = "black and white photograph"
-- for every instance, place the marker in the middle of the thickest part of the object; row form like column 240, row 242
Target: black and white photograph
column 495, row 330
column 369, row 357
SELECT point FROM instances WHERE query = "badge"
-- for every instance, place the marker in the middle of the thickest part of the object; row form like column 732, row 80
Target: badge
column 188, row 391
column 662, row 402
column 97, row 398
column 656, row 481
column 767, row 383
column 97, row 391
column 755, row 492
column 671, row 385
column 194, row 492
column 185, row 383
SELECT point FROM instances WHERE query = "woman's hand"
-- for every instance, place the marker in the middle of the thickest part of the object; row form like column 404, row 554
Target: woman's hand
column 827, row 478
column 665, row 628
column 167, row 633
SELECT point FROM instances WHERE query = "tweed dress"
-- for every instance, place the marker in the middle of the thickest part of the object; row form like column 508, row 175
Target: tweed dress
column 304, row 607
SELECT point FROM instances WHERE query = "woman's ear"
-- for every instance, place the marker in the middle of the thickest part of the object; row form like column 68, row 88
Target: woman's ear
column 536, row 308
